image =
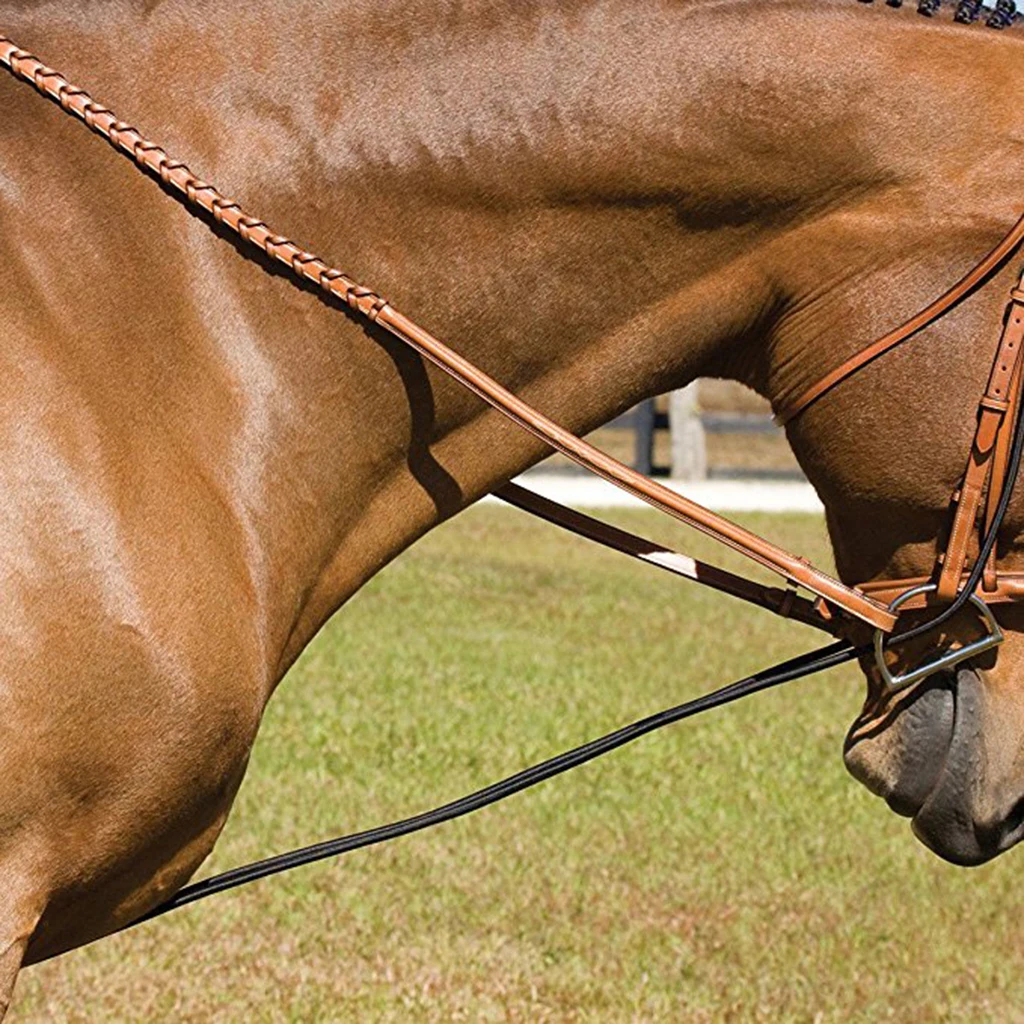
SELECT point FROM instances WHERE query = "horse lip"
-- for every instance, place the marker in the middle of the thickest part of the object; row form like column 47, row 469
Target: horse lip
column 909, row 799
column 926, row 719
column 1005, row 833
column 971, row 842
column 946, row 821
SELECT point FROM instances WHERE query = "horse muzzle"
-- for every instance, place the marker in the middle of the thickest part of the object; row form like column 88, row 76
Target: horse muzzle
column 936, row 758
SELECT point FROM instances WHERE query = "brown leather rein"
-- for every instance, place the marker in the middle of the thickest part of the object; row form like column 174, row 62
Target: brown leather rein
column 834, row 606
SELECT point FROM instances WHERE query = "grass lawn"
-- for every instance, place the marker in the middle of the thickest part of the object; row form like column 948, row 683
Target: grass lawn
column 724, row 869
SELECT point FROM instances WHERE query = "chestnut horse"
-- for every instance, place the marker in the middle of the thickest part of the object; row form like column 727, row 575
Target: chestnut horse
column 596, row 201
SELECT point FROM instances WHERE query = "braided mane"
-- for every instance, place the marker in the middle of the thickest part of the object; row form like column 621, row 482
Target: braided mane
column 1001, row 16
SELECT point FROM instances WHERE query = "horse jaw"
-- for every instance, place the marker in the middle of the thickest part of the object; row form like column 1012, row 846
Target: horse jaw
column 950, row 756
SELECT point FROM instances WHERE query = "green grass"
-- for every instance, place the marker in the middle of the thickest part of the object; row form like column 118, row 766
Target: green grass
column 724, row 869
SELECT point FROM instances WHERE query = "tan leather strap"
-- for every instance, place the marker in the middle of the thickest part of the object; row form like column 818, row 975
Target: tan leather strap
column 992, row 419
column 305, row 265
column 1009, row 589
column 927, row 316
column 985, row 477
column 784, row 602
column 997, row 481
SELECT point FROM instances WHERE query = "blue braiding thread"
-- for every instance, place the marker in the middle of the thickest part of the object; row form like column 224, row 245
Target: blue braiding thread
column 968, row 11
column 1003, row 15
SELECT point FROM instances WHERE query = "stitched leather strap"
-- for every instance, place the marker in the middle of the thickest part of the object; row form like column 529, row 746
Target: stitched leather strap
column 992, row 418
column 927, row 316
column 1009, row 589
column 997, row 481
column 307, row 266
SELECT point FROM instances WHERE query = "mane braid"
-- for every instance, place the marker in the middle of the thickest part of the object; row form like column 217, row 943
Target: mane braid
column 1002, row 15
column 968, row 11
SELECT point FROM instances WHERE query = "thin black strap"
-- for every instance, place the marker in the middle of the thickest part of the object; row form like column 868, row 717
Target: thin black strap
column 803, row 665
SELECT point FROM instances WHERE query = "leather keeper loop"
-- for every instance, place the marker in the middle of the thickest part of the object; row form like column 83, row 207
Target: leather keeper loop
column 246, row 224
column 220, row 204
column 1000, row 405
column 988, row 430
column 117, row 128
column 785, row 606
column 92, row 111
column 328, row 277
column 165, row 165
column 66, row 93
column 40, row 73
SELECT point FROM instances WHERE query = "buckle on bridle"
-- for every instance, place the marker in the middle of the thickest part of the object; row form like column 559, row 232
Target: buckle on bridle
column 951, row 657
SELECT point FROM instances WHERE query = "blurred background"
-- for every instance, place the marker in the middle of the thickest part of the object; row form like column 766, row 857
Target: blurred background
column 711, row 430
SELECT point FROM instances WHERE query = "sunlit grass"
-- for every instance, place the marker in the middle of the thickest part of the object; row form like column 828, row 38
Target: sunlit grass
column 725, row 869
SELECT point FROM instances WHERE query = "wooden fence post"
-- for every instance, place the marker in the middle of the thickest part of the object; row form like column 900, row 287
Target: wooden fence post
column 643, row 425
column 689, row 451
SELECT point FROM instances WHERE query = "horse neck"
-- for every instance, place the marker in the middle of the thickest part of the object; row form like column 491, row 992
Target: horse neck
column 587, row 255
column 591, row 204
column 887, row 447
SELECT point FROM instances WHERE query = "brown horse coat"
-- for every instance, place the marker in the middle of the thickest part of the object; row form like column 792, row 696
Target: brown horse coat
column 594, row 200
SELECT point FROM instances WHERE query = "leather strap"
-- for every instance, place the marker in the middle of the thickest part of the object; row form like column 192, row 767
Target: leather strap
column 993, row 408
column 997, row 481
column 782, row 601
column 305, row 265
column 1009, row 589
column 968, row 284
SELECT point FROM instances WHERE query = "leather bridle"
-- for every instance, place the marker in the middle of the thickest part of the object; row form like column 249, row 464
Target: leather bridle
column 980, row 501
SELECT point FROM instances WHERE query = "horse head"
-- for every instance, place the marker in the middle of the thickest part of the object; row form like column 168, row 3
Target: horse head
column 945, row 750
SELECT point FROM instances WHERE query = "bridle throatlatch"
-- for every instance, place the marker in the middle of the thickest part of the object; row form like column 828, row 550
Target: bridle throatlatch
column 833, row 607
